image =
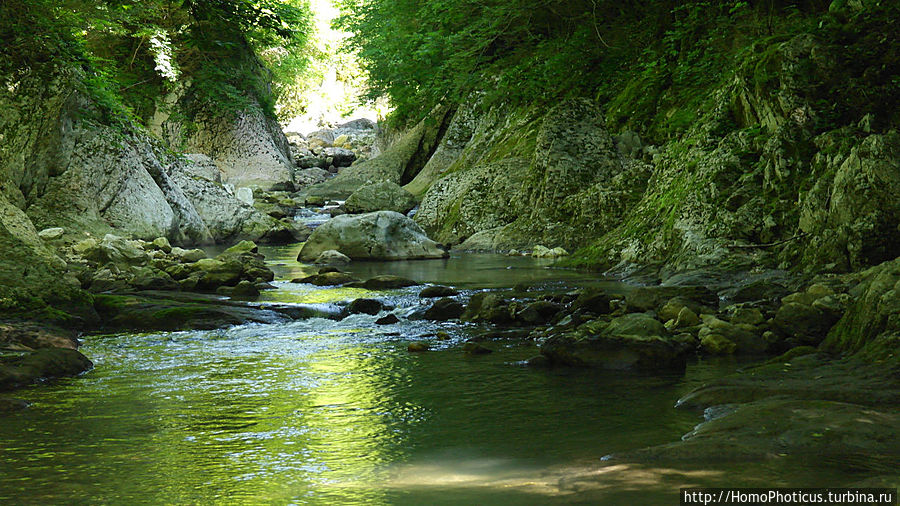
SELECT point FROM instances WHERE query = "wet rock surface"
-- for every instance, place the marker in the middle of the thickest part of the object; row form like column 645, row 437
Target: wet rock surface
column 46, row 363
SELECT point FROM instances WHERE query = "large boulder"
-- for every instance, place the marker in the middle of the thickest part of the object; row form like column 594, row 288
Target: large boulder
column 384, row 196
column 382, row 235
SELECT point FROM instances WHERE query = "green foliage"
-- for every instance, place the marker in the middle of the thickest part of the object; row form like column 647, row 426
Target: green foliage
column 420, row 53
column 133, row 52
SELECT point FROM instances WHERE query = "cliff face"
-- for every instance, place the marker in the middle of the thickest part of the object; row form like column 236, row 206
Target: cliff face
column 759, row 177
column 248, row 147
column 62, row 166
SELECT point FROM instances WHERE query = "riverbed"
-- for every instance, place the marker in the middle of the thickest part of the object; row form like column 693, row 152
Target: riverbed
column 322, row 411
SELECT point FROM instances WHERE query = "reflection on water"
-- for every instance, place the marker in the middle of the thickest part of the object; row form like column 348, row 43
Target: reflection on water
column 338, row 412
column 462, row 270
column 317, row 411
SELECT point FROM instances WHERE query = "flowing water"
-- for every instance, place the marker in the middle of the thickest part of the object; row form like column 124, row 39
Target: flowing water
column 338, row 412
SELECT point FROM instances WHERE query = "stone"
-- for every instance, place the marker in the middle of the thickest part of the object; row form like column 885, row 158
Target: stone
column 746, row 341
column 245, row 290
column 444, row 309
column 748, row 316
column 227, row 218
column 162, row 244
column 383, row 235
column 8, row 405
column 383, row 196
column 717, row 344
column 487, row 306
column 51, row 234
column 387, row 282
column 651, row 298
column 670, row 310
column 36, row 335
column 44, row 363
column 188, row 256
column 242, row 247
column 686, row 318
column 340, row 157
column 203, row 167
column 544, row 252
column 245, row 195
column 417, row 347
column 365, row 306
column 538, row 312
column 332, row 257
column 216, row 273
column 807, row 324
column 470, row 348
column 592, row 300
column 818, row 290
column 326, row 279
column 248, row 146
column 435, row 291
column 388, row 319
column 634, row 341
column 117, row 250
column 146, row 278
column 81, row 248
column 312, row 174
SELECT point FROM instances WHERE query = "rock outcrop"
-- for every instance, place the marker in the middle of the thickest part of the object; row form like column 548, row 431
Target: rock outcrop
column 398, row 164
column 247, row 146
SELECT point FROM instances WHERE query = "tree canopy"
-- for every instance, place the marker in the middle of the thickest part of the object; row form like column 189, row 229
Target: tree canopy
column 233, row 51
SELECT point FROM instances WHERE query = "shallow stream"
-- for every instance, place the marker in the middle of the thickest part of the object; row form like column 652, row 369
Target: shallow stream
column 338, row 412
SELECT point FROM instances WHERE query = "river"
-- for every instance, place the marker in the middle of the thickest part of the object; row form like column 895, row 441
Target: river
column 339, row 412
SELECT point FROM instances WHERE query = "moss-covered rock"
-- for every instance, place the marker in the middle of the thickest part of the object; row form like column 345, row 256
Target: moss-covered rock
column 870, row 328
column 383, row 196
column 46, row 363
column 444, row 309
column 636, row 342
column 149, row 312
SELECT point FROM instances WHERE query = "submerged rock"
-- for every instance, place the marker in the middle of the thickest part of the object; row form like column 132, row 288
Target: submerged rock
column 471, row 348
column 417, row 347
column 386, row 282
